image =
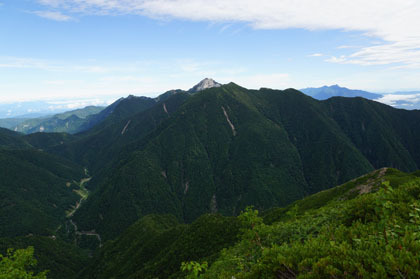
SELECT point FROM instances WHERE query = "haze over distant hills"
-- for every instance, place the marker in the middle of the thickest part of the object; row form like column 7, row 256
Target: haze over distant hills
column 41, row 108
column 326, row 92
column 405, row 100
column 72, row 122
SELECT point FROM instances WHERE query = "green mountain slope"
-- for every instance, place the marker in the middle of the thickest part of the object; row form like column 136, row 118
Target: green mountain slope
column 47, row 141
column 368, row 230
column 229, row 147
column 328, row 156
column 35, row 188
column 256, row 247
column 61, row 259
column 130, row 119
column 218, row 151
column 385, row 136
column 11, row 123
column 36, row 191
column 155, row 246
column 70, row 122
column 195, row 163
column 12, row 140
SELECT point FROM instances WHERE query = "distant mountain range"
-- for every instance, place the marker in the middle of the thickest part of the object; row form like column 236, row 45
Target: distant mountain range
column 37, row 109
column 405, row 100
column 147, row 183
column 326, row 92
column 70, row 122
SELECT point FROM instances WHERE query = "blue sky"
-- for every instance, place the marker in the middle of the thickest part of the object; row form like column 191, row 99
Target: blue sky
column 60, row 49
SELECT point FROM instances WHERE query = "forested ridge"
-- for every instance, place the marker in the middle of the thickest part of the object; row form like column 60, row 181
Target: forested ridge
column 227, row 180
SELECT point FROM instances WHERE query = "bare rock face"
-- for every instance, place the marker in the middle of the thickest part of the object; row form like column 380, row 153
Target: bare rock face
column 204, row 84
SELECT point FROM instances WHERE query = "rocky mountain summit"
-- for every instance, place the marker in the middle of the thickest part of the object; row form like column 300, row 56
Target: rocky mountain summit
column 204, row 84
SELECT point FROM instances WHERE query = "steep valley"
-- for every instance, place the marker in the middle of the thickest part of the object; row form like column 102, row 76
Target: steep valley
column 171, row 180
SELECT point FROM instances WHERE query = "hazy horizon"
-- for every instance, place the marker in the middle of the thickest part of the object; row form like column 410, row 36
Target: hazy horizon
column 47, row 106
column 65, row 49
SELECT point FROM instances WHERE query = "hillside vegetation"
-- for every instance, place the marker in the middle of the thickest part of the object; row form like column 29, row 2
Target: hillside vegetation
column 222, row 149
column 35, row 188
column 367, row 231
column 368, row 227
column 70, row 122
column 162, row 188
column 61, row 260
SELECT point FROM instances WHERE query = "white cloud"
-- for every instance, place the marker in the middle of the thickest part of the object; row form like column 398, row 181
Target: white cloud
column 316, row 55
column 57, row 66
column 78, row 103
column 26, row 63
column 394, row 22
column 404, row 54
column 55, row 82
column 347, row 46
column 53, row 15
column 404, row 99
column 333, row 59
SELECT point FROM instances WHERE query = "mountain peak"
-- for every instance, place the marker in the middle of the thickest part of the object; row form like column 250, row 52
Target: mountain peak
column 204, row 84
column 325, row 92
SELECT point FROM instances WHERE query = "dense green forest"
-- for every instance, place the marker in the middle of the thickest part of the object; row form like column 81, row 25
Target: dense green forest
column 189, row 160
column 368, row 227
column 221, row 183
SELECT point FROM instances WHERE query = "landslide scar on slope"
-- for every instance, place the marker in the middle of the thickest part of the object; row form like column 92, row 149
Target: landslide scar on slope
column 125, row 127
column 164, row 108
column 229, row 122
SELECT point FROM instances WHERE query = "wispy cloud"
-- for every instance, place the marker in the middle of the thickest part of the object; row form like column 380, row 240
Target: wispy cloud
column 53, row 15
column 148, row 78
column 394, row 22
column 81, row 103
column 400, row 54
column 56, row 66
column 27, row 63
column 400, row 99
column 334, row 59
column 316, row 55
column 348, row 46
